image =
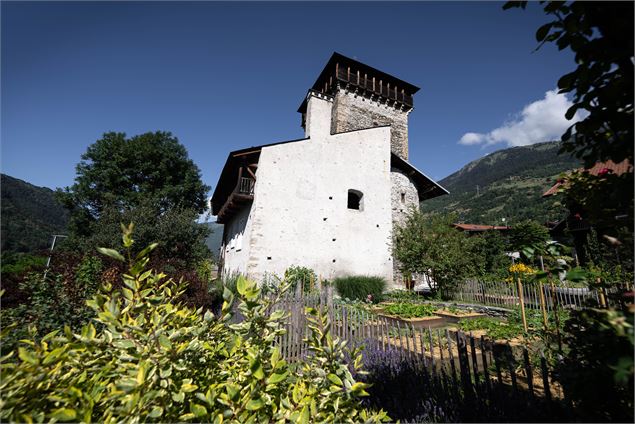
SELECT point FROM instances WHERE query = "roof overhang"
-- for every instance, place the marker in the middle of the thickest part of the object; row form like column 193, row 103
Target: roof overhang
column 228, row 177
column 426, row 186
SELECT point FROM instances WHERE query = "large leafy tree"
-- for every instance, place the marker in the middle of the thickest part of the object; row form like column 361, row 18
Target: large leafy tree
column 147, row 179
column 431, row 246
column 600, row 34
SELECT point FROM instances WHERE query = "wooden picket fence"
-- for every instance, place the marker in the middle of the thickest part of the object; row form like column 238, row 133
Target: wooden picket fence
column 506, row 295
column 476, row 365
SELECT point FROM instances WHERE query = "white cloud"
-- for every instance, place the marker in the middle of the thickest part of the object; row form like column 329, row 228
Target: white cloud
column 542, row 120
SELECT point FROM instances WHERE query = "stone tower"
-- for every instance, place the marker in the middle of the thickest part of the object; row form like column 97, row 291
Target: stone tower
column 365, row 97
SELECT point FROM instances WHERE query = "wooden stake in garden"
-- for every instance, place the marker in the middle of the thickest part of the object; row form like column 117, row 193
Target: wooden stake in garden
column 601, row 293
column 555, row 314
column 543, row 306
column 522, row 303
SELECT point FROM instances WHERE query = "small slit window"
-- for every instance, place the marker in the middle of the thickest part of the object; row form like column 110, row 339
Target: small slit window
column 355, row 200
column 403, row 197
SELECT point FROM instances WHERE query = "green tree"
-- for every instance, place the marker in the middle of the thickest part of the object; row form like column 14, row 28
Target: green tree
column 147, row 179
column 431, row 246
column 489, row 249
column 528, row 234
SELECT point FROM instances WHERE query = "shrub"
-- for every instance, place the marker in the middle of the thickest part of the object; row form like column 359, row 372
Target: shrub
column 53, row 301
column 148, row 357
column 360, row 287
column 597, row 370
column 303, row 275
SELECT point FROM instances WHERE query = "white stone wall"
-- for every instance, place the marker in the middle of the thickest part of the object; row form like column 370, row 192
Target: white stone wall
column 237, row 242
column 300, row 215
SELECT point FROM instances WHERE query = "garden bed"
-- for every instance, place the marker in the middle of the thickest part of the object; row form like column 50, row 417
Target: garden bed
column 433, row 321
column 454, row 316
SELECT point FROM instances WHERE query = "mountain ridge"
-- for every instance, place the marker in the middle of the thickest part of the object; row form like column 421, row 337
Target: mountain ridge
column 507, row 183
column 30, row 215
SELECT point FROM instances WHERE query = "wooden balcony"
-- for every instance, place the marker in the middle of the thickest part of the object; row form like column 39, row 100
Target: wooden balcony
column 242, row 195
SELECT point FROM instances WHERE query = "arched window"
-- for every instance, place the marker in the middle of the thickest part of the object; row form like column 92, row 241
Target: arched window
column 355, row 200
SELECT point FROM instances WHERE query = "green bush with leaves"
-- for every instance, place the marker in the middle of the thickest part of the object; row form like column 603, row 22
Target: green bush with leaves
column 301, row 275
column 597, row 370
column 52, row 301
column 360, row 287
column 146, row 357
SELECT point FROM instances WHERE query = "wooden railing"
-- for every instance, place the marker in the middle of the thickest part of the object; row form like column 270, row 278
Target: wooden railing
column 246, row 186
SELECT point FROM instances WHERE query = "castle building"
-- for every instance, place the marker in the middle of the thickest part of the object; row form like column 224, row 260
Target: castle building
column 330, row 200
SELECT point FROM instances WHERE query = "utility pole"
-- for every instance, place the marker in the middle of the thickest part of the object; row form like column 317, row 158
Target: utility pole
column 48, row 261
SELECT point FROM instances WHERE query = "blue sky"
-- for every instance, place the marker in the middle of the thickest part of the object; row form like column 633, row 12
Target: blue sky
column 224, row 76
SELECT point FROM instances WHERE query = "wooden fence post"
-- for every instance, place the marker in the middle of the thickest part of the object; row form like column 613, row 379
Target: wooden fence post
column 528, row 371
column 545, row 376
column 543, row 306
column 522, row 303
column 555, row 314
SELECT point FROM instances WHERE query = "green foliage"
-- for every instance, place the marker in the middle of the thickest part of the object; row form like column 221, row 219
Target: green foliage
column 181, row 238
column 303, row 275
column 528, row 233
column 16, row 264
column 597, row 371
column 489, row 249
column 410, row 310
column 360, row 287
column 30, row 216
column 147, row 179
column 510, row 185
column 431, row 246
column 147, row 357
column 496, row 329
column 125, row 172
column 599, row 201
column 512, row 326
column 53, row 302
column 403, row 296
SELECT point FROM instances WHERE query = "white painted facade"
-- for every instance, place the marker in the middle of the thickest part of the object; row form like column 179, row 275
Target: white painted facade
column 356, row 138
column 299, row 214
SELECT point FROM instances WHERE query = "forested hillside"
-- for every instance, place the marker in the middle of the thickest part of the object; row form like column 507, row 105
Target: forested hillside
column 30, row 216
column 505, row 184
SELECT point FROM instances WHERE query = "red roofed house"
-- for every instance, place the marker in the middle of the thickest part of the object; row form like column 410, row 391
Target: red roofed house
column 575, row 221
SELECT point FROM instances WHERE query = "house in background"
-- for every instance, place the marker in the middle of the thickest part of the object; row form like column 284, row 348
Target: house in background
column 477, row 228
column 575, row 222
column 330, row 200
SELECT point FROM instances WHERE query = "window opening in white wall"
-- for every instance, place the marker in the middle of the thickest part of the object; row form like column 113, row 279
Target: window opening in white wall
column 403, row 197
column 355, row 200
